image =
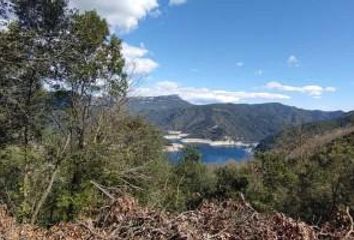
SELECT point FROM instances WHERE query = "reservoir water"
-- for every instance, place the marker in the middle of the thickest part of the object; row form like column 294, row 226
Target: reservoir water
column 217, row 155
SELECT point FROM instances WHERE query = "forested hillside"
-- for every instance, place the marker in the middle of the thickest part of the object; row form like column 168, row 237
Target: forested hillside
column 239, row 121
column 315, row 162
column 306, row 135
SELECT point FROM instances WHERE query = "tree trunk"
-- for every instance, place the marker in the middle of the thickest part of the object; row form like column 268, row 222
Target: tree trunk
column 44, row 196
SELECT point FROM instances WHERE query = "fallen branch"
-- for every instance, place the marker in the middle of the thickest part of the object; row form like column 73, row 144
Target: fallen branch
column 103, row 190
column 351, row 229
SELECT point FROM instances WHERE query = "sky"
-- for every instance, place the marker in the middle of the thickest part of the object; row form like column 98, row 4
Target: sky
column 297, row 52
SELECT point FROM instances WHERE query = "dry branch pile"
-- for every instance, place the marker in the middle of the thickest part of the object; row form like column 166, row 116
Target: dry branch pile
column 125, row 219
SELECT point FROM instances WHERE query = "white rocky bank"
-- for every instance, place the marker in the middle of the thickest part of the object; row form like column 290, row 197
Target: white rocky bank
column 182, row 138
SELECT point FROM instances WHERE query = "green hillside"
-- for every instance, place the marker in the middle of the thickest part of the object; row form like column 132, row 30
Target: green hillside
column 309, row 135
column 239, row 121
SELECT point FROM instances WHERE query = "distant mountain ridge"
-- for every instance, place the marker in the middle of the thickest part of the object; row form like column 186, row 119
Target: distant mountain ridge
column 159, row 103
column 310, row 136
column 245, row 122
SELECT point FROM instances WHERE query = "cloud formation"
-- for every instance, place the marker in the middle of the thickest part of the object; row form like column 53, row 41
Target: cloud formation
column 137, row 61
column 315, row 91
column 240, row 64
column 259, row 72
column 123, row 15
column 177, row 2
column 205, row 95
column 293, row 61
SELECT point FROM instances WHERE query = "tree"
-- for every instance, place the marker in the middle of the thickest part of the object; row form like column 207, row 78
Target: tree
column 46, row 16
column 193, row 180
column 25, row 63
column 46, row 47
column 95, row 82
column 230, row 182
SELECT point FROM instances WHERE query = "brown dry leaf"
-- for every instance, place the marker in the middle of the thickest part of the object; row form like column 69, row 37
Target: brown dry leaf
column 126, row 219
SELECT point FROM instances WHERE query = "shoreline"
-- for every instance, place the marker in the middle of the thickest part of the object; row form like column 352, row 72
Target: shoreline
column 181, row 140
column 218, row 143
column 175, row 147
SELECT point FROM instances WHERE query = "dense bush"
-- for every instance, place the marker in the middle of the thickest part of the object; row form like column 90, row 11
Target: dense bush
column 191, row 181
column 313, row 188
column 230, row 181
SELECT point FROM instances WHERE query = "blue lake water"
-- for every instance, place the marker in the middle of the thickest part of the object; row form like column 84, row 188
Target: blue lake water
column 217, row 155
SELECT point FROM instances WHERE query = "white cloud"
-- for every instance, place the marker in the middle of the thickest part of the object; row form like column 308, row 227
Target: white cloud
column 177, row 2
column 205, row 95
column 137, row 61
column 121, row 14
column 293, row 61
column 156, row 13
column 240, row 64
column 259, row 72
column 315, row 91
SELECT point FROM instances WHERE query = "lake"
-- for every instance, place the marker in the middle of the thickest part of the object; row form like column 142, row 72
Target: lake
column 217, row 155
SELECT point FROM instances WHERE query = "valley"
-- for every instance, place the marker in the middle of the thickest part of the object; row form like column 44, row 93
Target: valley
column 234, row 132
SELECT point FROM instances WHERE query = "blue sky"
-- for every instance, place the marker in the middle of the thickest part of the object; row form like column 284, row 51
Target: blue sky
column 299, row 52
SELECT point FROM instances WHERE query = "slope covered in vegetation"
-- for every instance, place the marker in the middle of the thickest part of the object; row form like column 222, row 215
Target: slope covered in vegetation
column 215, row 121
column 310, row 134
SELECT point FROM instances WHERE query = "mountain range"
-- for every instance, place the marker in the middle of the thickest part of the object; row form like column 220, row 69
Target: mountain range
column 243, row 122
column 310, row 137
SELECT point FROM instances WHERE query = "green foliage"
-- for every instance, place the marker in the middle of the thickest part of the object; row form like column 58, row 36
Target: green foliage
column 231, row 180
column 21, row 95
column 327, row 181
column 57, row 144
column 40, row 15
column 314, row 188
column 192, row 181
column 278, row 179
column 14, row 168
